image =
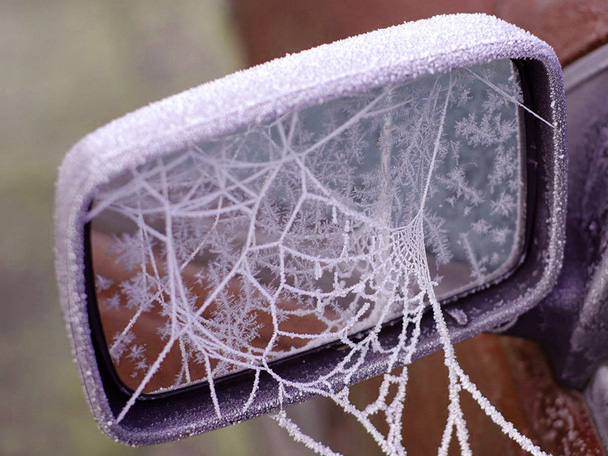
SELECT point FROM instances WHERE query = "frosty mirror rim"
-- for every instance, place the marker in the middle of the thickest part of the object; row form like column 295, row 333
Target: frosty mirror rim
column 403, row 52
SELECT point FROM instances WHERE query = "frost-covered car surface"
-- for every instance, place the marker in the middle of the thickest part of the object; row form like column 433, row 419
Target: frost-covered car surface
column 366, row 221
column 573, row 319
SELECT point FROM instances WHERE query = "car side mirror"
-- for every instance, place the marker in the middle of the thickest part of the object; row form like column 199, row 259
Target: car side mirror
column 219, row 249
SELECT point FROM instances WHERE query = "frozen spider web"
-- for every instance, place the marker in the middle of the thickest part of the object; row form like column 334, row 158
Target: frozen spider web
column 307, row 229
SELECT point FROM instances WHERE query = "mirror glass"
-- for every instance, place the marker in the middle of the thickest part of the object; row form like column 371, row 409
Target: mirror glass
column 286, row 235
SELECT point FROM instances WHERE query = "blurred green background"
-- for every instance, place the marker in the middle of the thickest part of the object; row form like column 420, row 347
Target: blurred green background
column 66, row 68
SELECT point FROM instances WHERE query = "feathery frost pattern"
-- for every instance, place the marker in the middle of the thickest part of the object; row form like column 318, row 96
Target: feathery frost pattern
column 309, row 228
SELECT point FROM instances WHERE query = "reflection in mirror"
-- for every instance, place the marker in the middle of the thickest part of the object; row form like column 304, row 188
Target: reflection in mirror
column 302, row 230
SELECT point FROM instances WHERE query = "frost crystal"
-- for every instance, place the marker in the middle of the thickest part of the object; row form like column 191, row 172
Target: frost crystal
column 308, row 228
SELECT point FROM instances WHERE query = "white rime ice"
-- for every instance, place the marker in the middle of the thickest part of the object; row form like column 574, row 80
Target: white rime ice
column 314, row 226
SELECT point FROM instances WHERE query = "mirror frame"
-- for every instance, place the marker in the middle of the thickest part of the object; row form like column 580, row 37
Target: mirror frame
column 412, row 50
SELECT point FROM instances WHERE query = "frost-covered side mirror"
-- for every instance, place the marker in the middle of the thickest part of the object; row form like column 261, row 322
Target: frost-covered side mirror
column 243, row 245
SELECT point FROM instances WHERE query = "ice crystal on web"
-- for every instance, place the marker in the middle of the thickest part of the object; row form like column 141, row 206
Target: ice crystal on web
column 308, row 228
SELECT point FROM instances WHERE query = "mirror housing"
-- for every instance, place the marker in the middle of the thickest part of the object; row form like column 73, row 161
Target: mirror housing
column 409, row 51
